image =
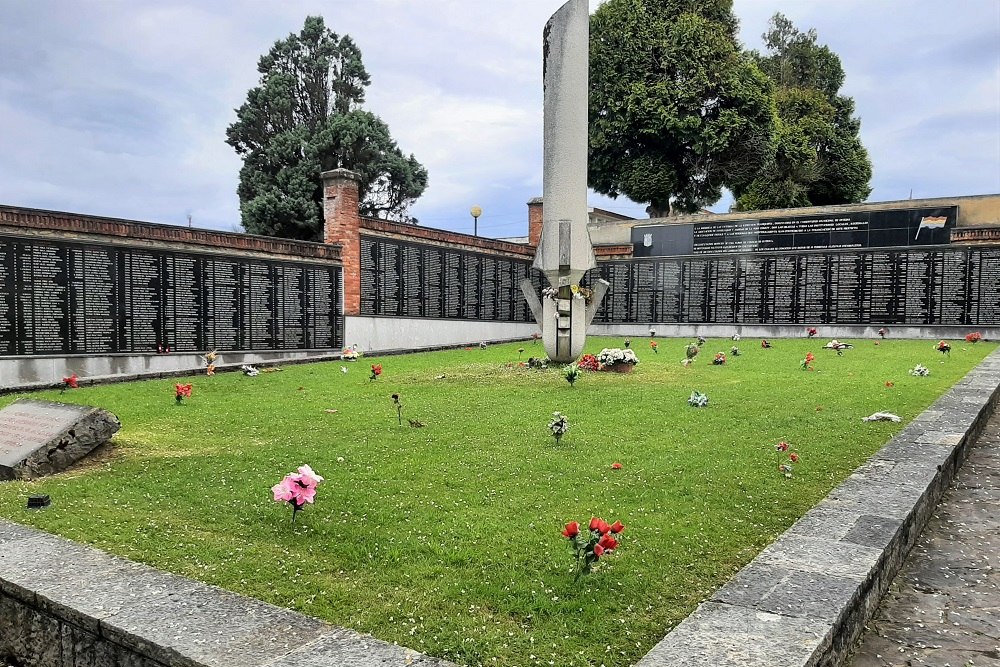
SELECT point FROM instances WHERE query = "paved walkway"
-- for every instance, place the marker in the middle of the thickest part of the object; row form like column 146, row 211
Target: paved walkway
column 943, row 609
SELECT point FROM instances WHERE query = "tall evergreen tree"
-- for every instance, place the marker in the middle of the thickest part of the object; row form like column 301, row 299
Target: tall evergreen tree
column 819, row 159
column 304, row 118
column 677, row 110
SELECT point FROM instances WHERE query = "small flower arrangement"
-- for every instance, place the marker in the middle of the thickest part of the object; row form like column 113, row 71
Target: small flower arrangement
column 698, row 399
column 571, row 373
column 558, row 426
column 588, row 362
column 720, row 359
column 297, row 489
column 350, row 354
column 883, row 332
column 210, row 370
column 613, row 356
column 919, row 371
column 628, row 343
column 806, row 363
column 376, row 371
column 182, row 391
column 654, row 346
column 588, row 549
column 482, row 345
column 550, row 293
column 811, row 332
column 736, row 338
column 249, row 371
column 785, row 466
column 71, row 382
column 691, row 351
column 210, row 357
column 973, row 337
column 701, row 341
column 541, row 363
column 765, row 344
column 944, row 347
column 734, row 351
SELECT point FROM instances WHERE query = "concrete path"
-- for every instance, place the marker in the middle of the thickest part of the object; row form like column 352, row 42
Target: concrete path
column 943, row 610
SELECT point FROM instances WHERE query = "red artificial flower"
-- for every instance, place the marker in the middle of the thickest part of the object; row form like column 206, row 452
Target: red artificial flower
column 617, row 527
column 71, row 382
column 810, row 357
column 183, row 390
column 616, row 466
column 377, row 369
column 600, row 525
column 890, row 384
column 794, row 457
column 974, row 337
column 608, row 542
column 811, row 331
column 782, row 446
column 571, row 530
column 598, row 551
column 764, row 343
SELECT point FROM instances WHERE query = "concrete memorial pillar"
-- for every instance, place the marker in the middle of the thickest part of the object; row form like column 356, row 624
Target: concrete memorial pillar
column 564, row 250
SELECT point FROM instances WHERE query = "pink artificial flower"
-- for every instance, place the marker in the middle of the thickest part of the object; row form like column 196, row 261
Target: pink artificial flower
column 282, row 493
column 308, row 477
column 616, row 466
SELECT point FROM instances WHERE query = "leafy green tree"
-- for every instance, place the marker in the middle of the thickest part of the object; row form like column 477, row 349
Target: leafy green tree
column 677, row 110
column 819, row 158
column 304, row 118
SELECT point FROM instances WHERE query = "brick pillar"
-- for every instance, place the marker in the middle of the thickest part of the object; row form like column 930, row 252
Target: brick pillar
column 342, row 226
column 535, row 221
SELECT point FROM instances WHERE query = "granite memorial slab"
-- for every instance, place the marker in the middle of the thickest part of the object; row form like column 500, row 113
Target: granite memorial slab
column 39, row 438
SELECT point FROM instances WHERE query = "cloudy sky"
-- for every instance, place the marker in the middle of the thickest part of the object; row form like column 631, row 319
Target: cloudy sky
column 119, row 107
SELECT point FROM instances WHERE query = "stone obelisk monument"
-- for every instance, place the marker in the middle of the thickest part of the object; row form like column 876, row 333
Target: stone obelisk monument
column 564, row 251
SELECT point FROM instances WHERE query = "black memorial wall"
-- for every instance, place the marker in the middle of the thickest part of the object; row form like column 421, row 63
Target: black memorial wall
column 938, row 285
column 406, row 279
column 59, row 297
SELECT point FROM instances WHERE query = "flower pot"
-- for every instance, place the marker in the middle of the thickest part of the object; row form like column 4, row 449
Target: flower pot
column 620, row 368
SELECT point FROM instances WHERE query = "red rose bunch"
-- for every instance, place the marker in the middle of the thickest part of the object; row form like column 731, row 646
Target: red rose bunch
column 944, row 347
column 71, row 382
column 811, row 332
column 973, row 337
column 588, row 362
column 377, row 370
column 182, row 391
column 601, row 539
column 807, row 362
column 785, row 465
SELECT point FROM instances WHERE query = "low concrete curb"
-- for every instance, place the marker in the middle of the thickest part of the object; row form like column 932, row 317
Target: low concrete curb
column 804, row 600
column 63, row 604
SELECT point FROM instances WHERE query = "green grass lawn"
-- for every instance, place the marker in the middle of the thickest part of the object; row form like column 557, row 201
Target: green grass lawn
column 447, row 538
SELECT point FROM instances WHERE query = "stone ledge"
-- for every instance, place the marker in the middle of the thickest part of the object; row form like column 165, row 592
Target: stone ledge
column 804, row 600
column 69, row 605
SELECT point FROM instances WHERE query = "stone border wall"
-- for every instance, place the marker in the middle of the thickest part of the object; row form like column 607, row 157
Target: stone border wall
column 801, row 603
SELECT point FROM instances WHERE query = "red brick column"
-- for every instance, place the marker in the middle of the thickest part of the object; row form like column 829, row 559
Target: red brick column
column 534, row 221
column 342, row 225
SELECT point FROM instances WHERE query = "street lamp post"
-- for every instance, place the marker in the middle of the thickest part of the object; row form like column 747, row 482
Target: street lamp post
column 476, row 211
